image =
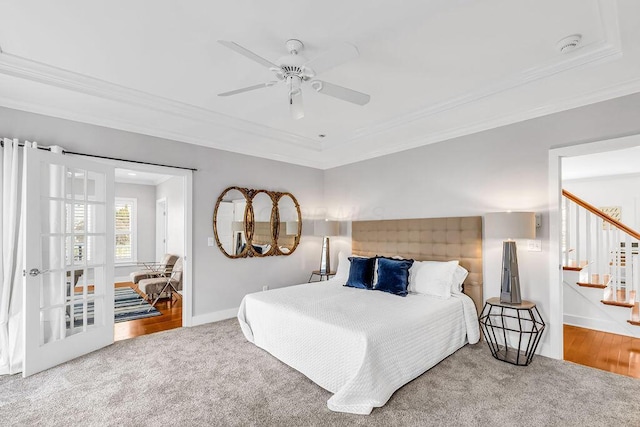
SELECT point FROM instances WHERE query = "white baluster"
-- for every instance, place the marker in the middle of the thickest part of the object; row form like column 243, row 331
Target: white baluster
column 598, row 261
column 577, row 234
column 587, row 226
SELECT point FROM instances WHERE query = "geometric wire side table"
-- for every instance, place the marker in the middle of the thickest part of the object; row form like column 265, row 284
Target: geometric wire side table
column 501, row 321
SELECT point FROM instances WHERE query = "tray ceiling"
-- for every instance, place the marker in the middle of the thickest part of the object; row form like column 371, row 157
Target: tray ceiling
column 434, row 69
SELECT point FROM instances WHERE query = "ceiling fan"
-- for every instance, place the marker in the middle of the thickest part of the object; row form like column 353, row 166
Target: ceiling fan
column 294, row 70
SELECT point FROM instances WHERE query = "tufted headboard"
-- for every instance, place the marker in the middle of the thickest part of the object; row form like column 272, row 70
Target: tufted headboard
column 427, row 239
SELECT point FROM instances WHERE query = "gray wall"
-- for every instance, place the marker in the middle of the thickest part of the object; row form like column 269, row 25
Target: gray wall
column 146, row 222
column 173, row 190
column 219, row 283
column 496, row 170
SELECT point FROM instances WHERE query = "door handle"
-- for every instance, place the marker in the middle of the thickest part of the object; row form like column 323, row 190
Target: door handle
column 34, row 272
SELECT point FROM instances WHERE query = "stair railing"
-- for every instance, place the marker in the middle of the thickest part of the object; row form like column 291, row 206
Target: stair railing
column 605, row 248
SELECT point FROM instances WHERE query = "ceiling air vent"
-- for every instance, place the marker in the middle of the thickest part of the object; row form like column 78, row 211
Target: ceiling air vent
column 569, row 44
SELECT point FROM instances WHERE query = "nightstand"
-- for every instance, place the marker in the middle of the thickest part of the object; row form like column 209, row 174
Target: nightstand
column 512, row 331
column 325, row 274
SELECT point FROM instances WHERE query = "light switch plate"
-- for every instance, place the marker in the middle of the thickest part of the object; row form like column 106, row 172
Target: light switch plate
column 534, row 245
column 210, row 241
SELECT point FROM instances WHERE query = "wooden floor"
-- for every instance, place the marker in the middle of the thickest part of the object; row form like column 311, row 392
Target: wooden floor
column 602, row 350
column 171, row 318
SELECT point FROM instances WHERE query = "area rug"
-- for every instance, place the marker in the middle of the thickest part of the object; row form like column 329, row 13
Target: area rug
column 129, row 305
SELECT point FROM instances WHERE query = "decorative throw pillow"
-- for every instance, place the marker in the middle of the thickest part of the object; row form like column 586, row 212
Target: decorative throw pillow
column 393, row 276
column 361, row 272
column 434, row 278
column 375, row 267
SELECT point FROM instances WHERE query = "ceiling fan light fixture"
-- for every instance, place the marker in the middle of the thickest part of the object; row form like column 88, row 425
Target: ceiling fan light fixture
column 293, row 85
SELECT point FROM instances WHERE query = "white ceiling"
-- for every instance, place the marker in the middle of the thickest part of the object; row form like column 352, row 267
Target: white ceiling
column 609, row 163
column 130, row 176
column 435, row 69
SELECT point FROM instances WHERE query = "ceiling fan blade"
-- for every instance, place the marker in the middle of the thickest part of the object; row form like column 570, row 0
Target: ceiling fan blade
column 247, row 89
column 340, row 92
column 295, row 105
column 333, row 57
column 245, row 52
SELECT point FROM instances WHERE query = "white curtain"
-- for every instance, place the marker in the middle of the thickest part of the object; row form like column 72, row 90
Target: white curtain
column 11, row 259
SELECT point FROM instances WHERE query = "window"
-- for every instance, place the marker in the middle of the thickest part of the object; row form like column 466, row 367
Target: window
column 126, row 237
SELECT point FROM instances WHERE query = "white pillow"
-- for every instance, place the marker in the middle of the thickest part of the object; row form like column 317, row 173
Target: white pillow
column 434, row 278
column 342, row 272
column 459, row 275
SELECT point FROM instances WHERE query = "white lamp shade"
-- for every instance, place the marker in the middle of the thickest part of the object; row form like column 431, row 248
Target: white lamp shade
column 326, row 228
column 510, row 225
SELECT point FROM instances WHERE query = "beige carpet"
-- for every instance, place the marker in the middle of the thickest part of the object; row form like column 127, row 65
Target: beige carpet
column 209, row 375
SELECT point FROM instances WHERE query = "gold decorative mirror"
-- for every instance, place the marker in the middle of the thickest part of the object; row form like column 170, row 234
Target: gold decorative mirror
column 260, row 223
column 231, row 222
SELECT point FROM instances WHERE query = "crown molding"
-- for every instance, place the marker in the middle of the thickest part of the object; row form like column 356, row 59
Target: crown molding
column 254, row 149
column 602, row 51
column 614, row 91
column 16, row 66
column 600, row 54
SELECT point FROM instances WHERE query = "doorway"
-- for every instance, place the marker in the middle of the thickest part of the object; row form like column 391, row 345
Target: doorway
column 581, row 162
column 152, row 269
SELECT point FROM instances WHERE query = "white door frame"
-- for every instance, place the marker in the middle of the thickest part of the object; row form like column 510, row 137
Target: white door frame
column 160, row 254
column 187, row 185
column 556, row 311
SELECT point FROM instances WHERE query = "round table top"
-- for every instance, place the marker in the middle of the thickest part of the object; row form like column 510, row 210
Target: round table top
column 524, row 305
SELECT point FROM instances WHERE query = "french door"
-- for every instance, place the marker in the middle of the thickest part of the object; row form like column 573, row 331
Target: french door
column 68, row 258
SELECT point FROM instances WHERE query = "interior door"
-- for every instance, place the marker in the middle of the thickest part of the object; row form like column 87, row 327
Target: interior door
column 68, row 258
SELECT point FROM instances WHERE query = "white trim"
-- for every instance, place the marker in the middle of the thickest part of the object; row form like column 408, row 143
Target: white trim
column 215, row 316
column 121, row 279
column 251, row 147
column 393, row 146
column 165, row 232
column 17, row 66
column 187, row 288
column 597, row 324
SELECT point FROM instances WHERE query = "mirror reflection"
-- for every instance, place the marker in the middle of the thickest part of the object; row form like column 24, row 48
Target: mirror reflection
column 263, row 210
column 229, row 222
column 289, row 224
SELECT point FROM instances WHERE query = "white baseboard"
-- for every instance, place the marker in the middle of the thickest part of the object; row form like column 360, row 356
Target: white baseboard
column 599, row 325
column 122, row 279
column 215, row 316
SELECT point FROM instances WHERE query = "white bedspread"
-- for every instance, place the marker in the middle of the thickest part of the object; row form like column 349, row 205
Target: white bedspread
column 359, row 344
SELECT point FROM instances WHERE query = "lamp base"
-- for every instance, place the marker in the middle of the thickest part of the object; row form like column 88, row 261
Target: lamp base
column 510, row 289
column 325, row 259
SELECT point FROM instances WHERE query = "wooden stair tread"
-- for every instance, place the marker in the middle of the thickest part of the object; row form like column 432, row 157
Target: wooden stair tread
column 635, row 315
column 620, row 299
column 567, row 268
column 592, row 285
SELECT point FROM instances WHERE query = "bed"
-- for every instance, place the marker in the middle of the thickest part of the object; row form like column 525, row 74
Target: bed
column 362, row 345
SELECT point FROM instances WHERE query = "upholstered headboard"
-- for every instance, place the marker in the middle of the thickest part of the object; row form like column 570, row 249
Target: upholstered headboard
column 427, row 239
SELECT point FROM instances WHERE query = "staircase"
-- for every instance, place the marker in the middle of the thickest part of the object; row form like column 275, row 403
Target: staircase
column 601, row 266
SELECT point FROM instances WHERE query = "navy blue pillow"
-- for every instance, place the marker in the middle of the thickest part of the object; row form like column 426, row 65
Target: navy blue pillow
column 361, row 272
column 393, row 275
